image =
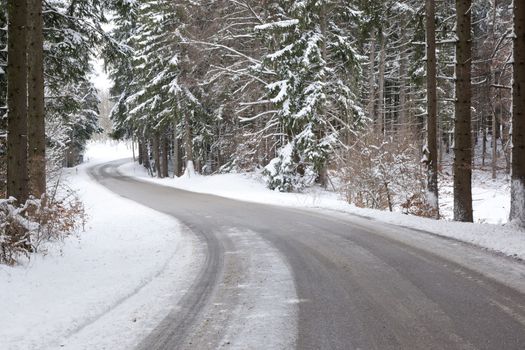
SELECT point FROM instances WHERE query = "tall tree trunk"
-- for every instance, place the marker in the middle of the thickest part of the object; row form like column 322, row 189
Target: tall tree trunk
column 141, row 155
column 494, row 97
column 494, row 141
column 145, row 154
column 176, row 155
column 505, row 141
column 432, row 169
column 517, row 208
column 165, row 151
column 462, row 122
column 403, row 120
column 371, row 78
column 323, row 171
column 133, row 147
column 188, row 144
column 17, row 173
column 484, row 139
column 381, row 88
column 36, row 121
column 156, row 154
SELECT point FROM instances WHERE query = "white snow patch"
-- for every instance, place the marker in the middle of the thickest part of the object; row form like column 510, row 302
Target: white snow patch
column 110, row 285
column 490, row 198
column 264, row 318
column 518, row 192
column 190, row 170
column 432, row 200
column 278, row 24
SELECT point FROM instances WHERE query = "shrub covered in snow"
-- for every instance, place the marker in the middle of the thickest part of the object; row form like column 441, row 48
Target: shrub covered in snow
column 14, row 231
column 25, row 229
column 288, row 171
column 385, row 173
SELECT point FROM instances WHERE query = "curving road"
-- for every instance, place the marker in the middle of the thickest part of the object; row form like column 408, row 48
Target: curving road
column 358, row 284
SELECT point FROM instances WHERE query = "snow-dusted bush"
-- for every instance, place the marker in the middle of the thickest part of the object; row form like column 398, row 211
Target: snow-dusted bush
column 385, row 173
column 286, row 174
column 246, row 153
column 14, row 232
column 25, row 229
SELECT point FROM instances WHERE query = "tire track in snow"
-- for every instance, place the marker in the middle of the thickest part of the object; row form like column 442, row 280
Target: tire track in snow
column 254, row 304
column 266, row 316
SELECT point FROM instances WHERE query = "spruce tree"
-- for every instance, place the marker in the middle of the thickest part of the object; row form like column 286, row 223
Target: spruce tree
column 17, row 174
column 462, row 120
column 36, row 116
column 431, row 142
column 310, row 89
column 3, row 97
column 517, row 212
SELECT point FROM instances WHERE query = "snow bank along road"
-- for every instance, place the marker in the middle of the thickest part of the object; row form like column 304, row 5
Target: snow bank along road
column 281, row 278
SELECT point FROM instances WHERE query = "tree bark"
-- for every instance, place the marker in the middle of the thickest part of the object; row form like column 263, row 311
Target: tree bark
column 133, row 147
column 494, row 140
column 17, row 173
column 432, row 169
column 505, row 141
column 188, row 142
column 141, row 155
column 494, row 98
column 517, row 208
column 156, row 154
column 381, row 88
column 371, row 78
column 462, row 122
column 36, row 116
column 323, row 170
column 145, row 154
column 176, row 156
column 483, row 139
column 403, row 120
column 165, row 151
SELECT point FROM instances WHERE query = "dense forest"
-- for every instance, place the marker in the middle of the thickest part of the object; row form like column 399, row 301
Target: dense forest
column 377, row 99
column 262, row 174
column 383, row 96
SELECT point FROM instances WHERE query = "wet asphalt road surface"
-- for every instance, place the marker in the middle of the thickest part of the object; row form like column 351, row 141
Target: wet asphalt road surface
column 360, row 284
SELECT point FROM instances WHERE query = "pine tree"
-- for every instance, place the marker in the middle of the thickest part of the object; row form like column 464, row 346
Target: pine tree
column 72, row 32
column 3, row 97
column 36, row 117
column 232, row 51
column 431, row 145
column 118, row 56
column 462, row 124
column 162, row 95
column 517, row 212
column 156, row 103
column 310, row 89
column 17, row 174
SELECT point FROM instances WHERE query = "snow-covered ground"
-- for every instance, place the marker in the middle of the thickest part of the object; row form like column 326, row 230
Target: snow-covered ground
column 490, row 198
column 104, row 288
column 107, row 287
column 267, row 307
column 491, row 205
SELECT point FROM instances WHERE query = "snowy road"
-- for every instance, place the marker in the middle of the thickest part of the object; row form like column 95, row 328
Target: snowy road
column 278, row 278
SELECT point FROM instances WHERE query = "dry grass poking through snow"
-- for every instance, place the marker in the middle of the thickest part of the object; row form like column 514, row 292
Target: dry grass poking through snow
column 27, row 228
